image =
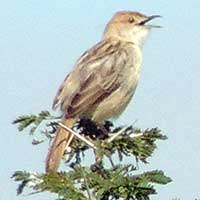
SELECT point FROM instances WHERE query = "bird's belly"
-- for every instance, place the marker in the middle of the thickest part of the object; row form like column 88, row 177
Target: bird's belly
column 116, row 103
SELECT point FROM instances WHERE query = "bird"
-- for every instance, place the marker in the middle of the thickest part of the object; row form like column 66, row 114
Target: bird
column 103, row 80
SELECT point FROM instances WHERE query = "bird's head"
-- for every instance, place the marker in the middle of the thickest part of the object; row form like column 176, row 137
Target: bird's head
column 129, row 26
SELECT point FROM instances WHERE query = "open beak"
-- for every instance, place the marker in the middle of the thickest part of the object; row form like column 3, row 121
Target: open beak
column 149, row 19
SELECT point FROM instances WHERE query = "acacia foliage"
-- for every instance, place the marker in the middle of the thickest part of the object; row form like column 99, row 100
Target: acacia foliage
column 108, row 175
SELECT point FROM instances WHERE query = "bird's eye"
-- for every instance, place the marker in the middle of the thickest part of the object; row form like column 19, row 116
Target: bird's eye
column 131, row 20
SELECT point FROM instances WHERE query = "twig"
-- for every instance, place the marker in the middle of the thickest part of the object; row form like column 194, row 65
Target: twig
column 77, row 135
column 86, row 183
column 111, row 161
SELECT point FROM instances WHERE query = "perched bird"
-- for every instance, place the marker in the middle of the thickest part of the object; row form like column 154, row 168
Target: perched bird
column 103, row 80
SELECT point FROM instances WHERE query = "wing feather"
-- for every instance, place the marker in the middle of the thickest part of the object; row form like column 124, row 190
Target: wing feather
column 94, row 77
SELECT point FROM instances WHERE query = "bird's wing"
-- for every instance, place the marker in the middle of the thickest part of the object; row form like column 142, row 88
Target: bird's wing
column 95, row 76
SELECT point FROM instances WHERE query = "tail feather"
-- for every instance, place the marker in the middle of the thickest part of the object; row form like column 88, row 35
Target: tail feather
column 61, row 141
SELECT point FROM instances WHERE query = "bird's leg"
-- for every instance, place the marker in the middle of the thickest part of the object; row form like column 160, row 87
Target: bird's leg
column 94, row 129
column 102, row 131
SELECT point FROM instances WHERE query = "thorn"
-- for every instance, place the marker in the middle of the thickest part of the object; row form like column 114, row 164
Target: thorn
column 116, row 134
column 77, row 135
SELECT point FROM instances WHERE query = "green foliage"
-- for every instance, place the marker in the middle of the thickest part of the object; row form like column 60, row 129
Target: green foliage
column 104, row 178
column 32, row 122
column 26, row 120
column 117, row 182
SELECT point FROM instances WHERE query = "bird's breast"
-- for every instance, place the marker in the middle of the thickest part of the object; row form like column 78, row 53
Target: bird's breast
column 116, row 102
column 133, row 68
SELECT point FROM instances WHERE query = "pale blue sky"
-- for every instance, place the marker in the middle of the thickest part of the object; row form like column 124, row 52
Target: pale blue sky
column 39, row 43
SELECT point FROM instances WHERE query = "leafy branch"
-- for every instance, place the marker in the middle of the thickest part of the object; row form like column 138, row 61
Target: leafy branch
column 104, row 177
column 104, row 183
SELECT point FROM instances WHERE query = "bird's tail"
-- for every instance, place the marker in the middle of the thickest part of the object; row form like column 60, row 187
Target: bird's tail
column 61, row 141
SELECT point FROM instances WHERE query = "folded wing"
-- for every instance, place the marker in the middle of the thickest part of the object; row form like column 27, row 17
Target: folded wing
column 96, row 75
